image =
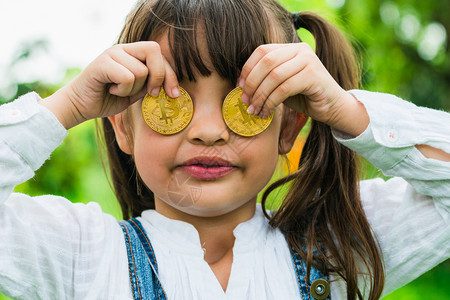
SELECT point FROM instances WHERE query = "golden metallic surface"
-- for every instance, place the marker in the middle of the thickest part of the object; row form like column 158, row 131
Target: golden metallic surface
column 167, row 115
column 237, row 118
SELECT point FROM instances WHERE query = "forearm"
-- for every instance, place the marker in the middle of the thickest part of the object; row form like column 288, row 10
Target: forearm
column 434, row 153
column 354, row 120
column 352, row 117
column 400, row 140
column 28, row 134
column 408, row 215
column 60, row 105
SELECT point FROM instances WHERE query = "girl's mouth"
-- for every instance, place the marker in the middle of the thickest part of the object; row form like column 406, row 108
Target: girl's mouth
column 207, row 168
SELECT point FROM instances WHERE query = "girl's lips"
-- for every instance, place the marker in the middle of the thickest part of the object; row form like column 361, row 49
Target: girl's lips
column 207, row 168
column 207, row 173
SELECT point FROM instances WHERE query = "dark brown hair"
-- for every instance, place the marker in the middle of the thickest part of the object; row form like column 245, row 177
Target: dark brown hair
column 323, row 206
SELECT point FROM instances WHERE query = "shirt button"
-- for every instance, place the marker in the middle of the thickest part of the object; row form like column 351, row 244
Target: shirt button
column 13, row 113
column 392, row 135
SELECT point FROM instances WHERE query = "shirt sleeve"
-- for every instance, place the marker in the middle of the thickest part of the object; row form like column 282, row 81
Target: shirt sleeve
column 50, row 248
column 22, row 148
column 409, row 213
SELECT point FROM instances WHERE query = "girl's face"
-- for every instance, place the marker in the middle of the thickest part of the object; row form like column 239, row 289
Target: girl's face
column 205, row 170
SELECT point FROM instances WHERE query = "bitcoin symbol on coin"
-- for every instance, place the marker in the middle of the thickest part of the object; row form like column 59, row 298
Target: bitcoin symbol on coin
column 167, row 115
column 164, row 109
column 245, row 115
column 235, row 115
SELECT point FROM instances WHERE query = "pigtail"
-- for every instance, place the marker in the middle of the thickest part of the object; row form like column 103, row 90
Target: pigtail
column 323, row 209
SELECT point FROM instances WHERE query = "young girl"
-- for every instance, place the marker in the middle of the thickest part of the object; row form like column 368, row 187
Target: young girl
column 197, row 232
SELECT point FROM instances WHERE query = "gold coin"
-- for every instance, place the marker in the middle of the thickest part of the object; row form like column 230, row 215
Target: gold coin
column 237, row 118
column 167, row 115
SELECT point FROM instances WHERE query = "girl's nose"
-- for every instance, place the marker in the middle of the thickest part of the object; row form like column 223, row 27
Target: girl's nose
column 207, row 126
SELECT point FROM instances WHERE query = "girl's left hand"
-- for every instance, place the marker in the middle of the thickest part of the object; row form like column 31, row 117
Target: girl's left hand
column 275, row 72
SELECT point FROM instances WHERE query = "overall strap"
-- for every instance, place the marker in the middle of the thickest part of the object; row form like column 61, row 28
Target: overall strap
column 317, row 287
column 142, row 265
column 145, row 242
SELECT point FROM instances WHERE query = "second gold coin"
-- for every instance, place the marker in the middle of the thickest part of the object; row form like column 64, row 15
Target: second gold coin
column 237, row 118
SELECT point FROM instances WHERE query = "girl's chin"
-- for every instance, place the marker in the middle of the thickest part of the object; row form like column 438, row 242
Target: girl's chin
column 196, row 204
column 204, row 191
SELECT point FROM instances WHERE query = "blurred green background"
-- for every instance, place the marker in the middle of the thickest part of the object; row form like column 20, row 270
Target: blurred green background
column 404, row 47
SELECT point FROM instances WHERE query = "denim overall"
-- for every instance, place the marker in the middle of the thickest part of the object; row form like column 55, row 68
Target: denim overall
column 143, row 268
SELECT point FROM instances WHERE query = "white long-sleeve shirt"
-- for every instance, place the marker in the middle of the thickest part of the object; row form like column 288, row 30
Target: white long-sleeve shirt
column 51, row 248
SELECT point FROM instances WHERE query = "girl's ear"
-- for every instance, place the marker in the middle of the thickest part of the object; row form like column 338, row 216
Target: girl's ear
column 294, row 123
column 121, row 133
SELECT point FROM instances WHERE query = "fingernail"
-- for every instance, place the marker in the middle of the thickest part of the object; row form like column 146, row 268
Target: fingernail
column 251, row 109
column 176, row 92
column 245, row 99
column 241, row 82
column 155, row 92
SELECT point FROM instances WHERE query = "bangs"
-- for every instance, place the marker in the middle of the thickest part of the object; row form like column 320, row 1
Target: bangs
column 232, row 30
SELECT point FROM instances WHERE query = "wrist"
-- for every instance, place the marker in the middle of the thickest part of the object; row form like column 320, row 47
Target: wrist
column 351, row 116
column 62, row 107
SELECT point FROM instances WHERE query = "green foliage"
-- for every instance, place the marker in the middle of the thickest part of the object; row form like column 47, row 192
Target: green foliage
column 398, row 43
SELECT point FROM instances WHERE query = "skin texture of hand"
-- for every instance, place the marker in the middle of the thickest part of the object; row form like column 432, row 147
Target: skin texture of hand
column 112, row 82
column 275, row 72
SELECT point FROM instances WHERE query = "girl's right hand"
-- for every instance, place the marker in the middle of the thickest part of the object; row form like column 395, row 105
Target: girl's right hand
column 112, row 82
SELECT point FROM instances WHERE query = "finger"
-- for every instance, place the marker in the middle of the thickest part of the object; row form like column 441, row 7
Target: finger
column 254, row 58
column 272, row 80
column 121, row 77
column 264, row 66
column 155, row 64
column 259, row 53
column 286, row 89
column 135, row 66
column 149, row 52
column 170, row 81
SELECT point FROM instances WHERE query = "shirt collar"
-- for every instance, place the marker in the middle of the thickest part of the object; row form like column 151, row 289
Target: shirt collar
column 182, row 235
